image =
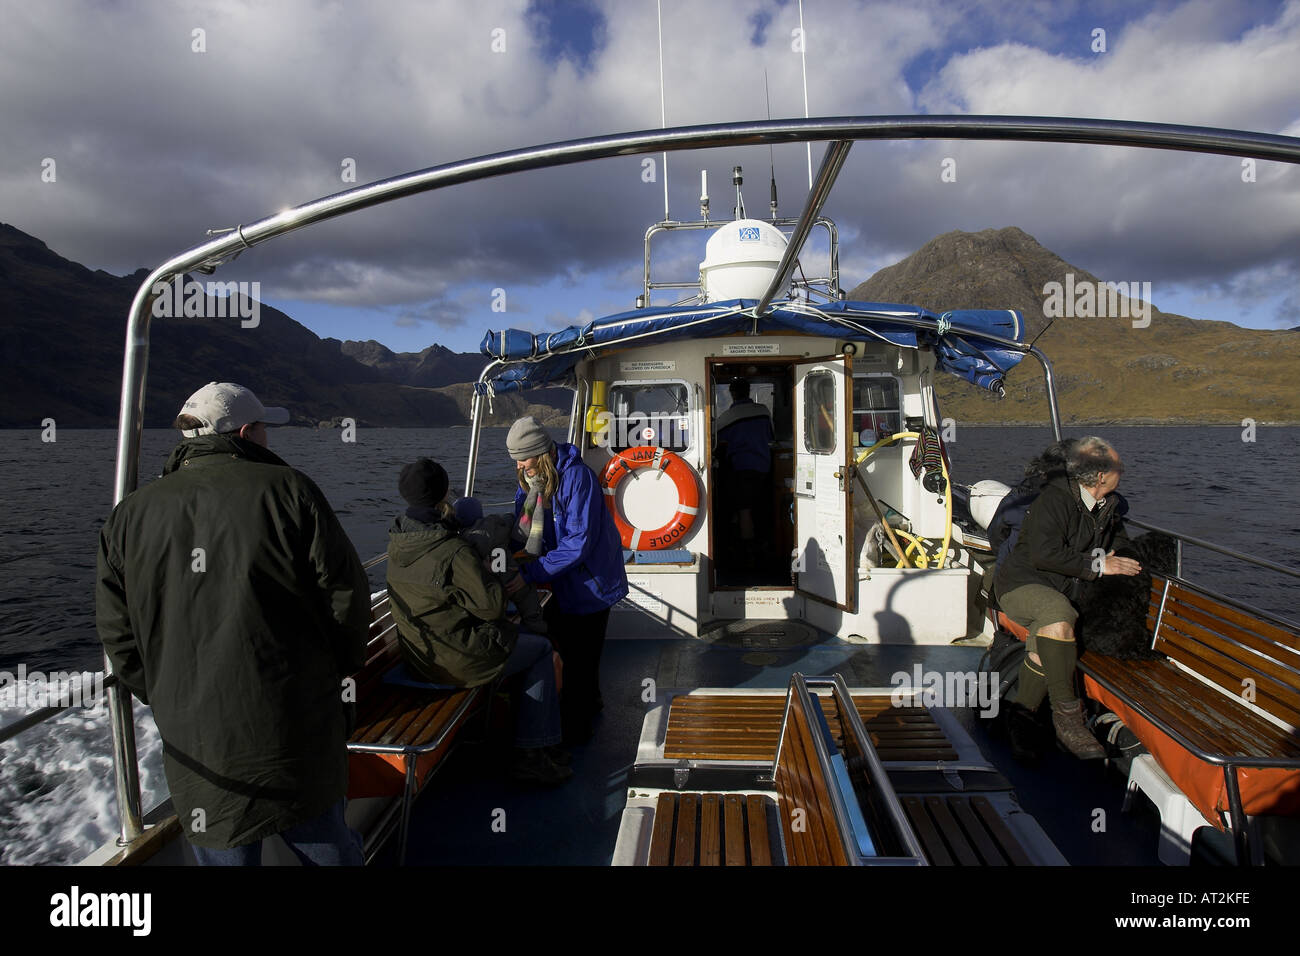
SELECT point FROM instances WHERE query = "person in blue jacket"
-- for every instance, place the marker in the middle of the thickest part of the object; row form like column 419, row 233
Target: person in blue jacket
column 581, row 559
column 744, row 441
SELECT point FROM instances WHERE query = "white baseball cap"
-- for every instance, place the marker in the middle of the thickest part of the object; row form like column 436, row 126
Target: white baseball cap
column 226, row 407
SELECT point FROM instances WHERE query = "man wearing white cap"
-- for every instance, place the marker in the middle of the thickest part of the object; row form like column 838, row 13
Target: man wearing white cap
column 230, row 599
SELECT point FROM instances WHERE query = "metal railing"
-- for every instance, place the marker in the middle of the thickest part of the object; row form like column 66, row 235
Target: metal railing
column 1180, row 538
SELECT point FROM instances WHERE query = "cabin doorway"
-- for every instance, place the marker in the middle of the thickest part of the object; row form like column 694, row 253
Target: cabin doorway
column 750, row 515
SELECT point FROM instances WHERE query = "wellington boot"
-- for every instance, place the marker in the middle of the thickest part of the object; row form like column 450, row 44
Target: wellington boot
column 1073, row 733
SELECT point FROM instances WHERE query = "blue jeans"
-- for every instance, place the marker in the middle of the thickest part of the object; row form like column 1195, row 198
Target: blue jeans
column 536, row 703
column 324, row 841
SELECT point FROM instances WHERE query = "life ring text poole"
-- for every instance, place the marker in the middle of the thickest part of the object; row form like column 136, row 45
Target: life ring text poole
column 688, row 496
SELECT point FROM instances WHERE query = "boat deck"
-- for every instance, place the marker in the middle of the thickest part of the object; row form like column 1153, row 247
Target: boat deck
column 472, row 814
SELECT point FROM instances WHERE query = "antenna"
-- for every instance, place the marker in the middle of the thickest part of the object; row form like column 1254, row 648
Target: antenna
column 771, row 157
column 803, row 63
column 663, row 115
column 704, row 194
column 738, row 211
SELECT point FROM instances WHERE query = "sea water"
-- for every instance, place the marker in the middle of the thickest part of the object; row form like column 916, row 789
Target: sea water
column 56, row 781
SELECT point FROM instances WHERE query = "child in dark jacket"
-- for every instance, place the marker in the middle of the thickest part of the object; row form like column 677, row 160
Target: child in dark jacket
column 494, row 537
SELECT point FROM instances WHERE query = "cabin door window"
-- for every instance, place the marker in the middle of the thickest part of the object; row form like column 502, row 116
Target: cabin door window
column 823, row 562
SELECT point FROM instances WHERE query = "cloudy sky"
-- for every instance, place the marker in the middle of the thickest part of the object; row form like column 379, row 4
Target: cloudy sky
column 166, row 119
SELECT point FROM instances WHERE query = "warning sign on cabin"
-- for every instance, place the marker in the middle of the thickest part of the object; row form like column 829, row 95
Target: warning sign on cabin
column 751, row 348
column 649, row 365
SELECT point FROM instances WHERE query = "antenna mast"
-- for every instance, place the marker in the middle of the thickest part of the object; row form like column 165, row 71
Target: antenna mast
column 771, row 157
column 803, row 63
column 663, row 115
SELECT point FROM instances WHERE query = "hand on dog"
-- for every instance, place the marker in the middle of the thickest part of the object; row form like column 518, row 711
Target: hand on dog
column 1114, row 565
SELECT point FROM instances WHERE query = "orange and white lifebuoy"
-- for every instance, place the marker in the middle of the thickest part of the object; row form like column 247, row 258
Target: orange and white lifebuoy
column 688, row 497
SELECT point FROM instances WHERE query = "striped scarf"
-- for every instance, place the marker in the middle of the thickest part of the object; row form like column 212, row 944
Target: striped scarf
column 532, row 518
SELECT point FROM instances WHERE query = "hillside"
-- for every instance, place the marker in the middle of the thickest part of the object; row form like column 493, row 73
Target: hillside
column 1176, row 370
column 61, row 358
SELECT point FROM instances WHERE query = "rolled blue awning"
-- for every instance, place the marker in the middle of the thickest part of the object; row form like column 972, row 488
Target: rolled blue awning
column 959, row 338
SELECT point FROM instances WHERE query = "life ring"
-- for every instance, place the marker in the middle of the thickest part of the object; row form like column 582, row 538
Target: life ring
column 688, row 497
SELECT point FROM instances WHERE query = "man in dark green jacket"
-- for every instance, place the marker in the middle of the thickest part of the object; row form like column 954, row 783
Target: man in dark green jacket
column 450, row 617
column 1069, row 535
column 230, row 600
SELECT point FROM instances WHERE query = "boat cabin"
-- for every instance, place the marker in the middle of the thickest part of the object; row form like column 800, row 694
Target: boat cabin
column 842, row 516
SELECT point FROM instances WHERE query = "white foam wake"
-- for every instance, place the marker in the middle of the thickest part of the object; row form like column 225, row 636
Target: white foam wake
column 57, row 801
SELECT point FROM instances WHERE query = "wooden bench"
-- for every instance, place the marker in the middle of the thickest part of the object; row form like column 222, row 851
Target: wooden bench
column 1220, row 714
column 748, row 727
column 813, row 798
column 402, row 732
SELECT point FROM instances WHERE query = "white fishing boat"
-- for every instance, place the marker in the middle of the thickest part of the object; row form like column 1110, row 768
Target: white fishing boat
column 757, row 693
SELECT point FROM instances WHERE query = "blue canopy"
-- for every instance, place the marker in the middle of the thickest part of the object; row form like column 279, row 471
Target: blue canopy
column 959, row 338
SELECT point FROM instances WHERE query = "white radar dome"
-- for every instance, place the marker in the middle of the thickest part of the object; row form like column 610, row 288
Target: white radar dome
column 740, row 260
column 985, row 496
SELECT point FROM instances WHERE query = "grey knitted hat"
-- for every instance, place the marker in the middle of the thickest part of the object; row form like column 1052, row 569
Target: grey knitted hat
column 528, row 439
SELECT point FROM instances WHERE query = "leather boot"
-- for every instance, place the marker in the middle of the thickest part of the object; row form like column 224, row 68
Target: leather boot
column 1067, row 718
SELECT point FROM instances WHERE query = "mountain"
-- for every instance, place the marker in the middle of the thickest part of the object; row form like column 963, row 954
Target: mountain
column 61, row 357
column 1175, row 370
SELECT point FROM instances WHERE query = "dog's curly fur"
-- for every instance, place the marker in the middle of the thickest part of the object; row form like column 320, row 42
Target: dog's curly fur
column 1113, row 609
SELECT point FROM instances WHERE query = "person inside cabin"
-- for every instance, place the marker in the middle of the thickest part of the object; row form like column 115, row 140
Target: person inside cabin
column 229, row 598
column 451, row 624
column 1069, row 535
column 744, row 438
column 496, row 538
column 560, row 506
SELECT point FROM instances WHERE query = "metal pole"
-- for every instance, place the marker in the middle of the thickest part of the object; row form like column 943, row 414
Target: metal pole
column 832, row 162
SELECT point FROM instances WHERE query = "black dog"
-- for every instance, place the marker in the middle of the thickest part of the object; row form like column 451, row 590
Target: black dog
column 1113, row 609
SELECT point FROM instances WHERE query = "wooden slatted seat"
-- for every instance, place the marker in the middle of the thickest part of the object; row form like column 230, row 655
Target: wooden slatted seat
column 402, row 733
column 737, row 727
column 711, row 829
column 808, row 820
column 963, row 831
column 1191, row 710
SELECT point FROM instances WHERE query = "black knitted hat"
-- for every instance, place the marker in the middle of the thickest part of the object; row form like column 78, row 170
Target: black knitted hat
column 423, row 483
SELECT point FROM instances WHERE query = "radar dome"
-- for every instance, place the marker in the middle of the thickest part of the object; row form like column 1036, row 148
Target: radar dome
column 740, row 260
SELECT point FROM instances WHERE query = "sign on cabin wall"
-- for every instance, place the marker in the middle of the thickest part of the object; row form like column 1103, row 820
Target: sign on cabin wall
column 751, row 348
column 648, row 365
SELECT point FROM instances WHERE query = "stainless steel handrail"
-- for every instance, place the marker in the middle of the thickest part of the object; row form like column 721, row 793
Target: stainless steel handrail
column 1210, row 546
column 832, row 162
column 890, row 805
column 876, row 770
column 831, row 281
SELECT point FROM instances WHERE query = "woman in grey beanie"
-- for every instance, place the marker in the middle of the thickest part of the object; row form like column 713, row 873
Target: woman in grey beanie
column 561, row 509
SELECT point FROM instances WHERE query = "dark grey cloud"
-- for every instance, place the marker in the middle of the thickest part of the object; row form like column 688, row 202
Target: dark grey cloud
column 156, row 143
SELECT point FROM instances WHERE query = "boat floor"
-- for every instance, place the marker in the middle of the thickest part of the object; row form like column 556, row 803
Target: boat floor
column 471, row 813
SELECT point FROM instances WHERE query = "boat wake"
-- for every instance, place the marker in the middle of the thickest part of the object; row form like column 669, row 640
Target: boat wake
column 56, row 780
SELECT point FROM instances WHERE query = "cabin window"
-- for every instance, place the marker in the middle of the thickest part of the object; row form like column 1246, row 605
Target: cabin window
column 877, row 409
column 657, row 414
column 819, row 412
